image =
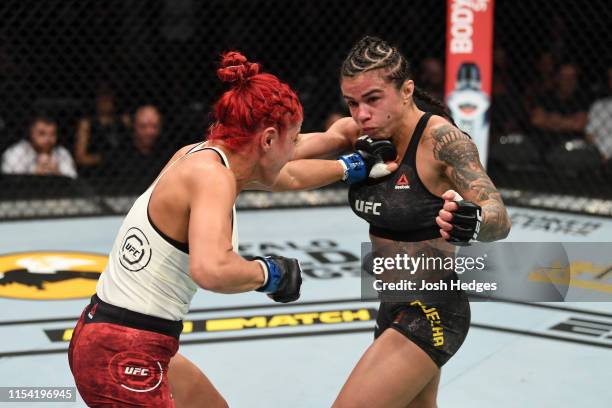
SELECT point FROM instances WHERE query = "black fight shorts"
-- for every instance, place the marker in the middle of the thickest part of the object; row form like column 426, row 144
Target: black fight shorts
column 437, row 327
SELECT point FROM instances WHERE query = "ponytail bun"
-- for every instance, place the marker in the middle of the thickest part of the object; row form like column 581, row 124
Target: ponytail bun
column 235, row 68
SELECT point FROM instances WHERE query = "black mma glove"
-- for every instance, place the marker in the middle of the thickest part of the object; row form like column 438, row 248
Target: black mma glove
column 466, row 223
column 283, row 278
column 368, row 160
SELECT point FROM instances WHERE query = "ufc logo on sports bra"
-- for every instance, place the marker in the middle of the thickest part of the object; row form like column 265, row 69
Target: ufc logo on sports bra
column 367, row 207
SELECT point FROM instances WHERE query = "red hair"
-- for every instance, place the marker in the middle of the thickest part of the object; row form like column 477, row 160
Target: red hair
column 256, row 100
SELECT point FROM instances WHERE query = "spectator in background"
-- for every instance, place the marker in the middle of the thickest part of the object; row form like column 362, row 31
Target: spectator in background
column 507, row 116
column 146, row 133
column 143, row 155
column 99, row 136
column 560, row 115
column 431, row 78
column 599, row 123
column 543, row 80
column 39, row 154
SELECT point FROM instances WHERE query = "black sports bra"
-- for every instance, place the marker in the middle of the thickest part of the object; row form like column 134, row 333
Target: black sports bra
column 399, row 207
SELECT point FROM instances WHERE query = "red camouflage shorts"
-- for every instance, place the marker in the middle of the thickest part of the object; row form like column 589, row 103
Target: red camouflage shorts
column 120, row 358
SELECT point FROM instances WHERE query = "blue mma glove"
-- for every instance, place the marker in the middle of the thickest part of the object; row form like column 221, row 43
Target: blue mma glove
column 368, row 161
column 283, row 278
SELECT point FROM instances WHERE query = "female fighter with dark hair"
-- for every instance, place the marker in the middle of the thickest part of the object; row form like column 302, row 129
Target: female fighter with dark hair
column 440, row 194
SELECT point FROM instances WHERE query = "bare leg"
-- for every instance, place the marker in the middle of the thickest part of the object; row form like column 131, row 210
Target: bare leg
column 392, row 373
column 190, row 387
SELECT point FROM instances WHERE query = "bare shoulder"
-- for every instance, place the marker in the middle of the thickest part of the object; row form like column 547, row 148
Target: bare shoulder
column 437, row 121
column 177, row 155
column 448, row 142
column 203, row 171
column 183, row 150
column 438, row 126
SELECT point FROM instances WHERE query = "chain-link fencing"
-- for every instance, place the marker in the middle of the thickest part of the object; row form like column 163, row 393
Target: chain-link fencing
column 117, row 86
column 551, row 111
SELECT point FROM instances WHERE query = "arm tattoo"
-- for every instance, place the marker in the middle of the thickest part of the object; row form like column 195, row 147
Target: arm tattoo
column 457, row 151
column 496, row 223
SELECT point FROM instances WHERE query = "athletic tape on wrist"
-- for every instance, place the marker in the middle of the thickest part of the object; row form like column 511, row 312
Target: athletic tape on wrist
column 355, row 168
column 346, row 170
column 264, row 266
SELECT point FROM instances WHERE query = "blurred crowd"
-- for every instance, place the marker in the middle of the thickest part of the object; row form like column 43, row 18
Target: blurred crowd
column 109, row 147
column 555, row 118
column 558, row 117
column 120, row 85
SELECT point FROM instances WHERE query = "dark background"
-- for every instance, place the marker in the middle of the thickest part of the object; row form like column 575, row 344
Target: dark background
column 55, row 54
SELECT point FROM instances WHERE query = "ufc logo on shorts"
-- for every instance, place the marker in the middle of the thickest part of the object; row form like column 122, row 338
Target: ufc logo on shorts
column 367, row 207
column 143, row 372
